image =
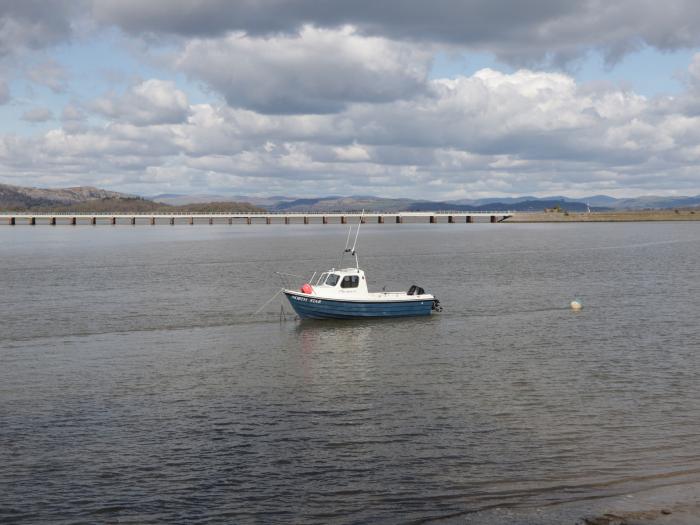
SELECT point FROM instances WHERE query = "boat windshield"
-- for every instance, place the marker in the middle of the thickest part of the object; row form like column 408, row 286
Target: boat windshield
column 321, row 278
column 332, row 279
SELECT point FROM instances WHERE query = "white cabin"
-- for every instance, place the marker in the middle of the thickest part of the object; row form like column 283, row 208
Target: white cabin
column 341, row 283
column 351, row 284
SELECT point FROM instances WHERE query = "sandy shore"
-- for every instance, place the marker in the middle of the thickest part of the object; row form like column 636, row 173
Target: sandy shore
column 677, row 503
column 618, row 216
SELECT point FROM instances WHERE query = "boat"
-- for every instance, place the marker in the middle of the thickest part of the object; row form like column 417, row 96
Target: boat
column 343, row 293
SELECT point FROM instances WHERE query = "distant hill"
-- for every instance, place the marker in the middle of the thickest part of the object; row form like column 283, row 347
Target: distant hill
column 652, row 202
column 331, row 204
column 89, row 199
column 525, row 203
column 20, row 197
column 179, row 199
column 528, row 205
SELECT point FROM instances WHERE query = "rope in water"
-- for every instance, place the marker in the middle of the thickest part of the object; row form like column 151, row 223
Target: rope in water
column 268, row 301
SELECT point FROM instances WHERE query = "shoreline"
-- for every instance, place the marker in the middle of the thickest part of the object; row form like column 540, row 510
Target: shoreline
column 618, row 216
column 672, row 504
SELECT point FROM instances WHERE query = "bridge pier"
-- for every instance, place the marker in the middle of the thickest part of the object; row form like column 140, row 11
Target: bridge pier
column 133, row 221
column 399, row 219
column 433, row 219
column 12, row 221
column 325, row 220
column 172, row 221
column 450, row 219
column 380, row 219
column 343, row 219
column 469, row 219
column 32, row 221
column 53, row 221
column 306, row 220
column 114, row 221
column 73, row 221
column 211, row 221
column 363, row 220
column 286, row 220
column 93, row 221
column 191, row 221
column 493, row 219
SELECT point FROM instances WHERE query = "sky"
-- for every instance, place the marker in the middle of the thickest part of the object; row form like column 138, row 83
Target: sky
column 399, row 98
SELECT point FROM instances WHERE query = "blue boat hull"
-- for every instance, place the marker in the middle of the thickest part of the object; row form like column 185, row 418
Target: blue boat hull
column 308, row 307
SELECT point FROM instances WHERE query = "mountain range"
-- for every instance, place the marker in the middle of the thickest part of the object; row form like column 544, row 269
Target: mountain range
column 95, row 199
column 372, row 203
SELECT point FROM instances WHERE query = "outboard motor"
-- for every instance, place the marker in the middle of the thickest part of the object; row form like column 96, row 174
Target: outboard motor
column 436, row 305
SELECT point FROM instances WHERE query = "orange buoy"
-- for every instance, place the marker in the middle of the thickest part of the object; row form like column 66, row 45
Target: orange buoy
column 306, row 288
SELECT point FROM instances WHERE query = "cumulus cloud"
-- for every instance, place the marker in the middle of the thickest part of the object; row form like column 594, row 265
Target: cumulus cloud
column 491, row 132
column 37, row 115
column 337, row 98
column 150, row 102
column 316, row 71
column 35, row 24
column 517, row 32
column 352, row 153
column 73, row 119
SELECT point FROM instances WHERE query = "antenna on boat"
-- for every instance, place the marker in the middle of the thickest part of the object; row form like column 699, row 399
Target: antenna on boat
column 347, row 241
column 357, row 234
column 354, row 244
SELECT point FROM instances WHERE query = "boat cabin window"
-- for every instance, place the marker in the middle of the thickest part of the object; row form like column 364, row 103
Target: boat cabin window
column 321, row 278
column 332, row 279
column 350, row 281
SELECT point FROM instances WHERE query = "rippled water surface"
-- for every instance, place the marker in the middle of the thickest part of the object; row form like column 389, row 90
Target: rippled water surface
column 136, row 386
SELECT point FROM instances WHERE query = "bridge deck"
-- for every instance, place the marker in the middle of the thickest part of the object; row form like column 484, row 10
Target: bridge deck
column 74, row 218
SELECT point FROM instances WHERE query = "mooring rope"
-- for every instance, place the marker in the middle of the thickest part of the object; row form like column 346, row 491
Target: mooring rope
column 268, row 301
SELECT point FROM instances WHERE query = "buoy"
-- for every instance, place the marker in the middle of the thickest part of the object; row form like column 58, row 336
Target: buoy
column 576, row 304
column 307, row 289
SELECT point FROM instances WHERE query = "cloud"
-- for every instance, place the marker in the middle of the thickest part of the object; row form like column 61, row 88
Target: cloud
column 491, row 132
column 352, row 153
column 50, row 74
column 72, row 113
column 35, row 24
column 150, row 102
column 4, row 92
column 338, row 98
column 37, row 115
column 316, row 71
column 520, row 33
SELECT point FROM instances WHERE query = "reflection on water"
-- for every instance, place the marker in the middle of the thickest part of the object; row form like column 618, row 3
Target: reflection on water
column 137, row 386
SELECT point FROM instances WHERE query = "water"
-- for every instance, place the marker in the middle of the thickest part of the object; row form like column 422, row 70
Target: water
column 136, row 386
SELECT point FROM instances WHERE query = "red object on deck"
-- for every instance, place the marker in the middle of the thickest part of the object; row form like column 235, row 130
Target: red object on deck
column 306, row 288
